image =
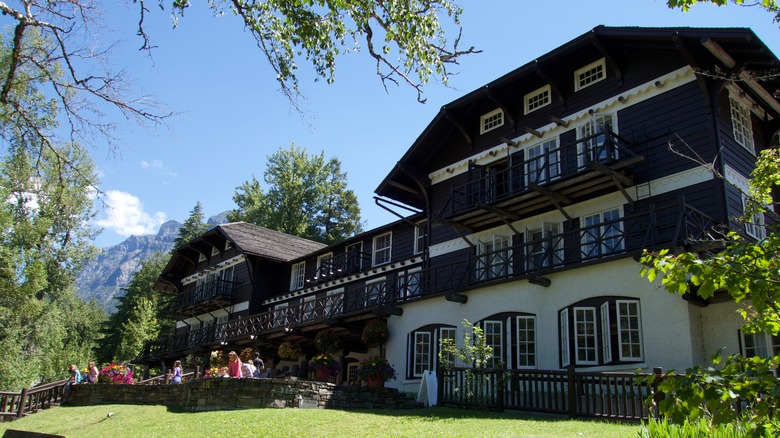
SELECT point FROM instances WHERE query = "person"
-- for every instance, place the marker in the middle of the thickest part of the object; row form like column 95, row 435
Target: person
column 234, row 365
column 75, row 375
column 259, row 365
column 92, row 373
column 248, row 370
column 176, row 379
column 223, row 372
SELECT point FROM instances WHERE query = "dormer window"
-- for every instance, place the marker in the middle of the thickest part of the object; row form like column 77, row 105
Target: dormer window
column 589, row 75
column 297, row 277
column 537, row 99
column 491, row 121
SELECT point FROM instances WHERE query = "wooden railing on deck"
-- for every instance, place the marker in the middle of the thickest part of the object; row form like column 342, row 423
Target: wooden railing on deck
column 15, row 405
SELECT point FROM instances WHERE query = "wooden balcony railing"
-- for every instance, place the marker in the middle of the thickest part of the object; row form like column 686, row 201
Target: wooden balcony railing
column 542, row 169
column 666, row 227
column 347, row 263
column 217, row 289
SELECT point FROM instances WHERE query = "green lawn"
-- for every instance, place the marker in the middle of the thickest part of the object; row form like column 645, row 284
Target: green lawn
column 159, row 421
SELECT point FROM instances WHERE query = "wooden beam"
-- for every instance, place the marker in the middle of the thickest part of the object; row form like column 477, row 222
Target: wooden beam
column 559, row 122
column 500, row 212
column 507, row 115
column 509, row 142
column 458, row 126
column 618, row 178
column 556, row 198
column 611, row 64
column 539, row 280
column 554, row 88
column 532, row 131
column 404, row 187
column 456, row 298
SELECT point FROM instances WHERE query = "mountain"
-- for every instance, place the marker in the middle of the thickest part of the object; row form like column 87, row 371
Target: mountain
column 104, row 278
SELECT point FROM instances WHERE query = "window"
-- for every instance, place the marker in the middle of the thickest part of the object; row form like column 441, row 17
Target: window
column 382, row 246
column 352, row 373
column 606, row 330
column 602, row 234
column 589, row 75
column 491, row 121
column 585, row 335
column 447, row 333
column 526, row 342
column 424, row 347
column 334, row 303
column 542, row 162
column 494, row 338
column 537, row 99
column 297, row 277
column 544, row 246
column 759, row 344
column 409, row 283
column 754, row 225
column 494, row 258
column 354, row 254
column 420, row 231
column 375, row 291
column 308, row 308
column 741, row 125
column 325, row 265
column 594, row 144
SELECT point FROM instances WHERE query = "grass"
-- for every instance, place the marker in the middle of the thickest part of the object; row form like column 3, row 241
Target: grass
column 159, row 421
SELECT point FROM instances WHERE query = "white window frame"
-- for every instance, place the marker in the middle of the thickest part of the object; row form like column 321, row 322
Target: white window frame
column 590, row 247
column 538, row 98
column 447, row 333
column 563, row 326
column 494, row 258
column 373, row 288
column 332, row 305
column 323, row 258
column 405, row 279
column 491, row 120
column 580, row 336
column 358, row 253
column 496, row 341
column 541, row 166
column 421, row 357
column 548, row 231
column 624, row 331
column 741, row 124
column 590, row 74
column 308, row 306
column 298, row 276
column 386, row 249
column 593, row 127
column 755, row 228
column 420, row 231
column 762, row 344
column 526, row 348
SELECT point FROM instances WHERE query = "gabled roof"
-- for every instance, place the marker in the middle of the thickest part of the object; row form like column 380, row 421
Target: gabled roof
column 266, row 243
column 694, row 45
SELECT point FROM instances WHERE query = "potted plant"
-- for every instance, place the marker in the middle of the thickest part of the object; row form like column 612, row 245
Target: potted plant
column 218, row 359
column 324, row 366
column 327, row 342
column 289, row 351
column 116, row 374
column 376, row 371
column 375, row 333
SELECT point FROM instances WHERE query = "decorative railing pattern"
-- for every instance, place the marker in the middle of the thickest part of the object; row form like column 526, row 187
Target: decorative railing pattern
column 347, row 263
column 616, row 396
column 205, row 291
column 544, row 167
column 656, row 228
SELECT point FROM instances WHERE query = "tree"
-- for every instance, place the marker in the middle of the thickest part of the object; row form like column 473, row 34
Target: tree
column 768, row 5
column 143, row 314
column 192, row 227
column 307, row 196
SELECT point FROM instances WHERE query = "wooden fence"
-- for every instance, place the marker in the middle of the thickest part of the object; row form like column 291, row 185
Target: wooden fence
column 15, row 405
column 615, row 396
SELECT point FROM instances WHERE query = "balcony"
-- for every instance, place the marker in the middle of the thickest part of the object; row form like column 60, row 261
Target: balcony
column 347, row 263
column 209, row 295
column 674, row 226
column 551, row 178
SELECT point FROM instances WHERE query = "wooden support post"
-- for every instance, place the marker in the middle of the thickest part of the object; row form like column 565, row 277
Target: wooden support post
column 168, row 376
column 571, row 391
column 657, row 395
column 22, row 402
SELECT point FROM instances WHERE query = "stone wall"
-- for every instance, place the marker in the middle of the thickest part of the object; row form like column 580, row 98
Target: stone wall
column 222, row 394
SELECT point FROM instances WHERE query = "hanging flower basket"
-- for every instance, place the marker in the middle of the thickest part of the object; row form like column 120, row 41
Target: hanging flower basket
column 289, row 351
column 327, row 342
column 376, row 369
column 375, row 333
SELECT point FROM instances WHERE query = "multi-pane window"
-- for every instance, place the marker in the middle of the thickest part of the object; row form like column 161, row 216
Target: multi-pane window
column 422, row 353
column 375, row 290
column 354, row 262
column 602, row 234
column 754, row 225
column 544, row 246
column 589, row 75
column 526, row 342
column 494, row 338
column 593, row 144
column 494, row 258
column 382, row 247
column 334, row 303
column 741, row 125
column 491, row 121
column 297, row 279
column 419, row 236
column 537, row 99
column 447, row 333
column 409, row 283
column 325, row 265
column 605, row 331
column 542, row 162
column 585, row 335
column 629, row 330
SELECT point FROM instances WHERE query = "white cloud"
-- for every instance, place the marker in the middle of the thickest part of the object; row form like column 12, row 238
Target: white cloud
column 125, row 215
column 158, row 166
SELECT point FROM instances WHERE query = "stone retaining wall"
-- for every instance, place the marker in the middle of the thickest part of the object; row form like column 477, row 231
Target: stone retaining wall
column 223, row 394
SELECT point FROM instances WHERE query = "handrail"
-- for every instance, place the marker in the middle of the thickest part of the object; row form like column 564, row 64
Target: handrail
column 15, row 405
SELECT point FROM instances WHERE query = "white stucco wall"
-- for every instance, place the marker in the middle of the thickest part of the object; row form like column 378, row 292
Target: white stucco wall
column 676, row 334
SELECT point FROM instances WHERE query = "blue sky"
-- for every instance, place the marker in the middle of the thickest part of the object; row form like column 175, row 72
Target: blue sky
column 231, row 115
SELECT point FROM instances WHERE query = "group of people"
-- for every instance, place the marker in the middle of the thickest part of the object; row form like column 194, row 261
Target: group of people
column 235, row 369
column 90, row 376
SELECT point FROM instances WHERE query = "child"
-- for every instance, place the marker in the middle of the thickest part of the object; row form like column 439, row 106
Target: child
column 176, row 380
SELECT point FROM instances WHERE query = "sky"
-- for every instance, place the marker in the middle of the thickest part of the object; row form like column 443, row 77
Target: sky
column 230, row 114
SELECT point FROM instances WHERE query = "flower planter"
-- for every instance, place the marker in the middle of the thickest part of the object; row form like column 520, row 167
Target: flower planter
column 376, row 382
column 322, row 374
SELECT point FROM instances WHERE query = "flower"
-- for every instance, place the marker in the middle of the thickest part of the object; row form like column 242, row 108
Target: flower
column 289, row 351
column 219, row 358
column 327, row 342
column 325, row 361
column 375, row 333
column 115, row 373
column 246, row 355
column 376, row 367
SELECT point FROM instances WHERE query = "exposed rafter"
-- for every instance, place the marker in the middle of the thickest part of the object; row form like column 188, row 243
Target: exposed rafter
column 507, row 114
column 458, row 126
column 458, row 228
column 556, row 198
column 620, row 180
column 559, row 122
column 554, row 88
column 404, row 187
column 611, row 64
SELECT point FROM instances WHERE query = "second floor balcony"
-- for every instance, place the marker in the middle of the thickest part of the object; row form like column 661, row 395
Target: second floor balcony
column 205, row 296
